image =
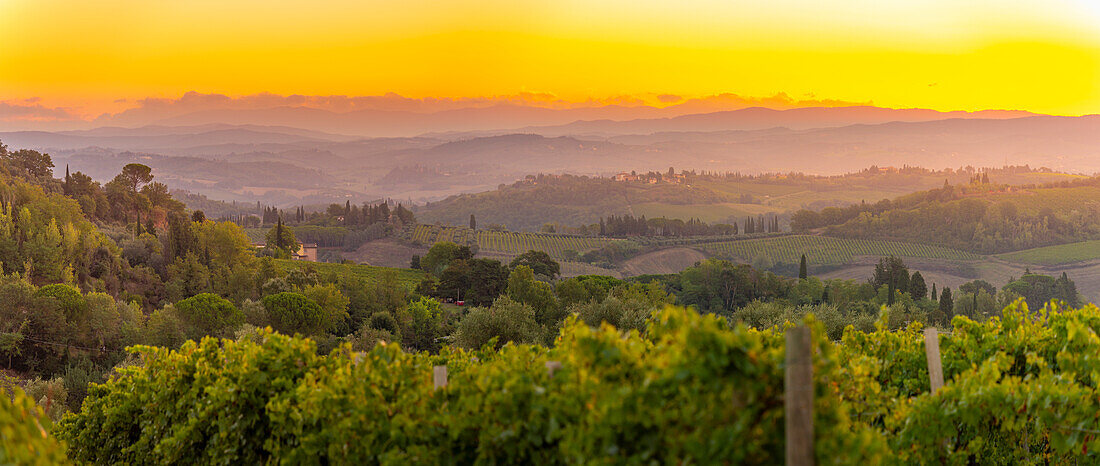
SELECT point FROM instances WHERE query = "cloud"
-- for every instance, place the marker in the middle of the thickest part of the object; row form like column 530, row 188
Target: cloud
column 29, row 110
column 669, row 98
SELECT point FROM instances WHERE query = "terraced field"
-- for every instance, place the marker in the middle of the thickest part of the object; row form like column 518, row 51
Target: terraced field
column 506, row 242
column 823, row 250
column 1056, row 255
column 407, row 277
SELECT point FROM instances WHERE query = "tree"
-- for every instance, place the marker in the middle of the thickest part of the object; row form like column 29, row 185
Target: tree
column 802, row 268
column 507, row 321
column 423, row 319
column 473, row 222
column 209, row 314
column 891, row 270
column 539, row 262
column 198, row 216
column 414, row 263
column 333, row 303
column 947, row 305
column 29, row 163
column 294, row 313
column 523, row 288
column 135, row 175
column 917, row 287
column 441, row 255
column 934, row 298
column 488, row 280
column 281, row 240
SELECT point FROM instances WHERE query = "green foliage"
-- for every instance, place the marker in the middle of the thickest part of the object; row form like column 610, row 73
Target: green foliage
column 208, row 314
column 333, row 303
column 281, row 241
column 523, row 288
column 423, row 320
column 71, row 301
column 539, row 262
column 205, row 403
column 505, row 321
column 692, row 390
column 24, row 432
column 292, row 313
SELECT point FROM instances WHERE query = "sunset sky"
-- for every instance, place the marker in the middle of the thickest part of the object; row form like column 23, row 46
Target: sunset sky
column 93, row 57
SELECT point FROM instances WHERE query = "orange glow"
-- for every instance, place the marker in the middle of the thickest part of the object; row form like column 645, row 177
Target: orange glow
column 1042, row 56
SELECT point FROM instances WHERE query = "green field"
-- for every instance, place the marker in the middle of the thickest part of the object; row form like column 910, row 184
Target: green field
column 506, row 242
column 407, row 277
column 824, row 250
column 1055, row 255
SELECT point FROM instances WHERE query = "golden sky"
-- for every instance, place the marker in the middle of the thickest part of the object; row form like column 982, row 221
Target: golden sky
column 1042, row 56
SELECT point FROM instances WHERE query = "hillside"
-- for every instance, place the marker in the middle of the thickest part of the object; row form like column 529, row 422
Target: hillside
column 569, row 201
column 979, row 217
column 322, row 166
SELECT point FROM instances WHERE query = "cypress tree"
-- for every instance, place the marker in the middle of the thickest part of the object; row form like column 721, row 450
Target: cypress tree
column 279, row 235
column 934, row 292
column 947, row 305
column 473, row 222
column 917, row 288
column 802, row 268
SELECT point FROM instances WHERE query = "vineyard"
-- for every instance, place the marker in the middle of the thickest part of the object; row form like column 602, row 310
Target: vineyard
column 1056, row 255
column 507, row 242
column 691, row 389
column 823, row 250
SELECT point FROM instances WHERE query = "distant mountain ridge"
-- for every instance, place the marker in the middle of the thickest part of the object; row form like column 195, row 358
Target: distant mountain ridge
column 498, row 119
column 747, row 141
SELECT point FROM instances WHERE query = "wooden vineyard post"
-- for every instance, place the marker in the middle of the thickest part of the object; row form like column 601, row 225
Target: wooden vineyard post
column 439, row 376
column 799, row 398
column 932, row 351
column 552, row 366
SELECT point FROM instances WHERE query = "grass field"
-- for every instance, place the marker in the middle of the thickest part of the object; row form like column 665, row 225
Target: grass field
column 407, row 277
column 823, row 250
column 508, row 243
column 1056, row 255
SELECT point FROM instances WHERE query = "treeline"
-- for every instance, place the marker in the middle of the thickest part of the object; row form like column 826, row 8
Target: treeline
column 984, row 224
column 347, row 215
column 628, row 225
column 763, row 299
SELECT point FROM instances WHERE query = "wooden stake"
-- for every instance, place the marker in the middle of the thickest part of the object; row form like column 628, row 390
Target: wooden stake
column 552, row 366
column 799, row 398
column 439, row 376
column 932, row 351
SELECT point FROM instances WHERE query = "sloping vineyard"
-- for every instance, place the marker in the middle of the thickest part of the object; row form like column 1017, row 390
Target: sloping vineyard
column 507, row 242
column 827, row 250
